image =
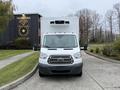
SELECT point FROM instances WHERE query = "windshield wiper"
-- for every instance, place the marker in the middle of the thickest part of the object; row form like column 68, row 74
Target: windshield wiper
column 52, row 48
column 68, row 48
column 46, row 46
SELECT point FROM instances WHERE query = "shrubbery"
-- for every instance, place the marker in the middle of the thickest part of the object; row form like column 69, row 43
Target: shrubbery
column 97, row 50
column 91, row 50
column 107, row 50
column 116, row 45
column 22, row 43
column 112, row 49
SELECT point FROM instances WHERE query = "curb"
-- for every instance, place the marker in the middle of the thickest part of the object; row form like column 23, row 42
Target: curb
column 103, row 58
column 20, row 80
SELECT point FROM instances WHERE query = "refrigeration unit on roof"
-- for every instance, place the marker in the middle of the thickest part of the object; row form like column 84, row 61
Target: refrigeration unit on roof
column 59, row 22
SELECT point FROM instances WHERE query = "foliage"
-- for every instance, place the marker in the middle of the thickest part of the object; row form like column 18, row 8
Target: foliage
column 22, row 43
column 116, row 45
column 6, row 12
column 107, row 50
column 91, row 50
column 97, row 50
column 111, row 50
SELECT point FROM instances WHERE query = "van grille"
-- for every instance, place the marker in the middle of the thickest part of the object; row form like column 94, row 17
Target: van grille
column 60, row 59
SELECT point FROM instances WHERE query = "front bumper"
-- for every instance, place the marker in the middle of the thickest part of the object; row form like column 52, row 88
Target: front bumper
column 54, row 70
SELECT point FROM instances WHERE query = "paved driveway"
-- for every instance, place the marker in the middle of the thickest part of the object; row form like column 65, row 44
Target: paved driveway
column 97, row 75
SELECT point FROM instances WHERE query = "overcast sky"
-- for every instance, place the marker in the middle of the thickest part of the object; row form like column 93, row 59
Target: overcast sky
column 62, row 7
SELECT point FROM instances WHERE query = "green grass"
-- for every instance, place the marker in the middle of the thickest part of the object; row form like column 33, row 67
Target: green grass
column 9, row 53
column 94, row 46
column 18, row 69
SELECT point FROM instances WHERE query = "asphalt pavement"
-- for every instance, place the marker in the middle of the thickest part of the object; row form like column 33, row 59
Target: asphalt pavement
column 97, row 75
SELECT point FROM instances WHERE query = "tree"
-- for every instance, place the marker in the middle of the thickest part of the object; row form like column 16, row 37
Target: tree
column 109, row 18
column 6, row 12
column 95, row 24
column 85, row 25
column 117, row 8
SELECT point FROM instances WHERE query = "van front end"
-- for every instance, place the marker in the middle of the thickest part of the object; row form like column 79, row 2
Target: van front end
column 61, row 55
column 60, row 64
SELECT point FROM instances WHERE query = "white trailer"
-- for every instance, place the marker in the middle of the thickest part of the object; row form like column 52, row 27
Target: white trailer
column 60, row 50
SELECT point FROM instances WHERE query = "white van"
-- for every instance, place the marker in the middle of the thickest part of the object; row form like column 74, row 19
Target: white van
column 60, row 50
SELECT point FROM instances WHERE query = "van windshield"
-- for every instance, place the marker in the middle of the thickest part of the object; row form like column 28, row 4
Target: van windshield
column 60, row 41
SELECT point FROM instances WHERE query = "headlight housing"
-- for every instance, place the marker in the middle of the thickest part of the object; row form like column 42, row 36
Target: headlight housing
column 77, row 55
column 43, row 56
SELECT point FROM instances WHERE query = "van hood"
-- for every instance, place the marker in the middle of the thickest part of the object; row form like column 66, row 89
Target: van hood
column 60, row 51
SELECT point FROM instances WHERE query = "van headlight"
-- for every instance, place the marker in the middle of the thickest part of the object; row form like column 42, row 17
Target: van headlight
column 43, row 56
column 77, row 55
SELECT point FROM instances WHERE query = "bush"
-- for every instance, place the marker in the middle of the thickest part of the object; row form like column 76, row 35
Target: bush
column 91, row 50
column 107, row 50
column 116, row 45
column 22, row 43
column 97, row 50
column 114, row 54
